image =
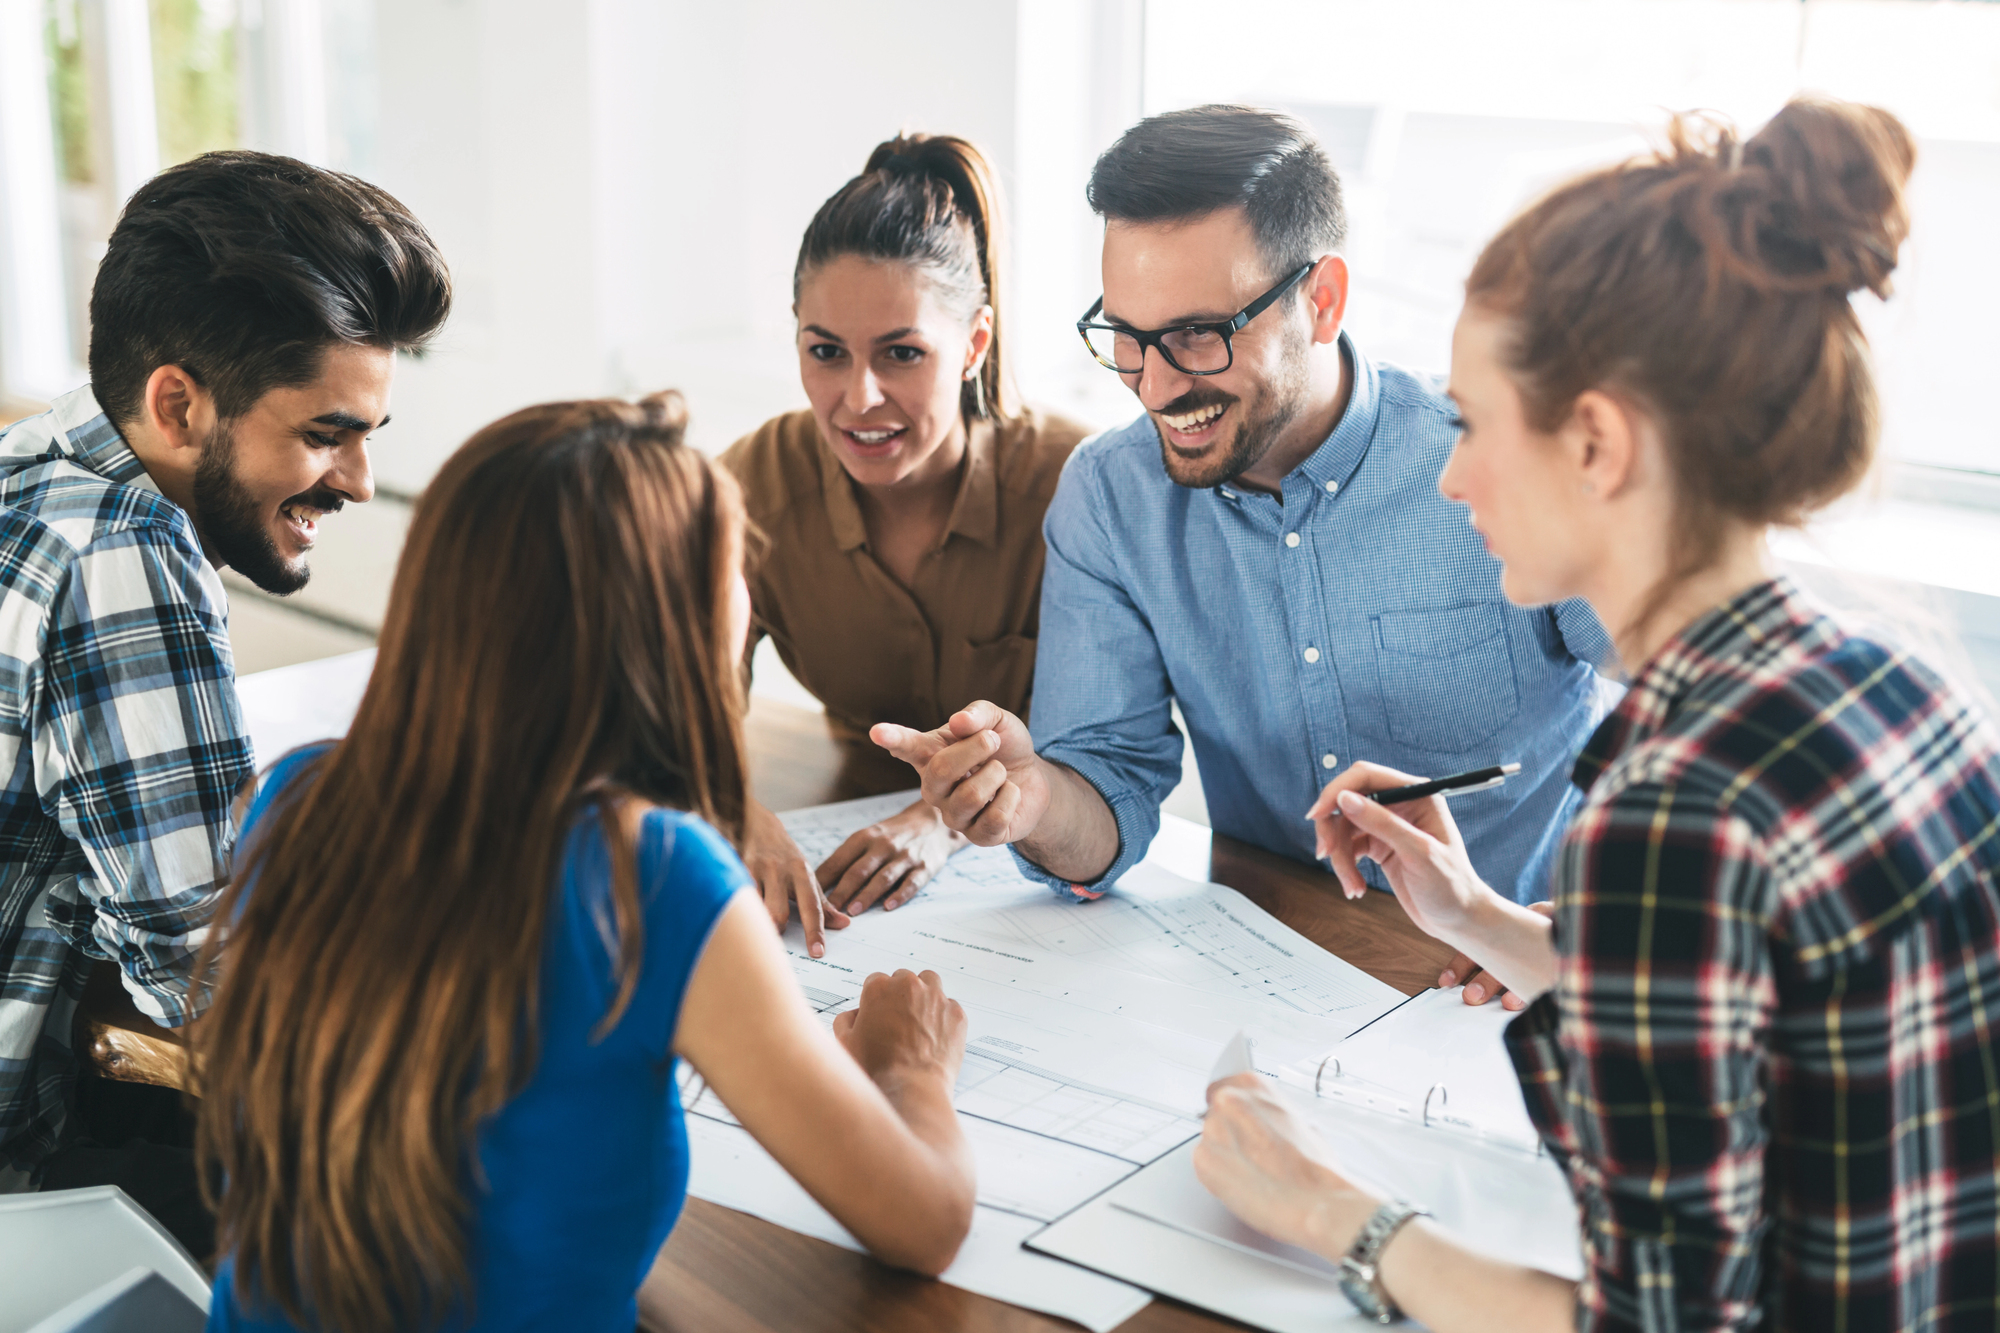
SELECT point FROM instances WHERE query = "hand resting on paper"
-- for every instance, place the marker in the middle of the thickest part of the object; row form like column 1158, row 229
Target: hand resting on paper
column 784, row 877
column 1481, row 986
column 1275, row 1172
column 1421, row 852
column 887, row 862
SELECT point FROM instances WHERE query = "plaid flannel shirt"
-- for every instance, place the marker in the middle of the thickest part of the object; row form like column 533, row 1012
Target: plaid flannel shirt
column 121, row 745
column 1768, row 1063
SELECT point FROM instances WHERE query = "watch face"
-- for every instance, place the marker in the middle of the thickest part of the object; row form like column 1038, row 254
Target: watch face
column 1357, row 1283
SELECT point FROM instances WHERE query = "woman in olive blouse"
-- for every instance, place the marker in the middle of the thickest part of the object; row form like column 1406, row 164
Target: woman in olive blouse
column 904, row 508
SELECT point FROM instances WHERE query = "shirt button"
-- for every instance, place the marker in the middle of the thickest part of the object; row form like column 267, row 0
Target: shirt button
column 1312, row 654
column 1329, row 760
column 1291, row 539
column 1332, row 486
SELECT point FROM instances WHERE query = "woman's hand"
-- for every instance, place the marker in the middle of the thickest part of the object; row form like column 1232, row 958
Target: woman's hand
column 1417, row 844
column 888, row 862
column 1272, row 1169
column 784, row 878
column 905, row 1027
column 1481, row 985
column 1419, row 848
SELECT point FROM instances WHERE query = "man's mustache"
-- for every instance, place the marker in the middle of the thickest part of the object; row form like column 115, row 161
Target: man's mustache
column 319, row 497
column 1193, row 401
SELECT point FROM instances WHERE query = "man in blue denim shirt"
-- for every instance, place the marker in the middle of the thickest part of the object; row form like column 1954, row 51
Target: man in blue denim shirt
column 1290, row 576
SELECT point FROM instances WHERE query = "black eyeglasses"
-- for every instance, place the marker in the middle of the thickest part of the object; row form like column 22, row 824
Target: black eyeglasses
column 1192, row 349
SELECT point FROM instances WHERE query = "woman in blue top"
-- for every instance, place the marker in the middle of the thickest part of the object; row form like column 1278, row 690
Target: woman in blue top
column 469, row 941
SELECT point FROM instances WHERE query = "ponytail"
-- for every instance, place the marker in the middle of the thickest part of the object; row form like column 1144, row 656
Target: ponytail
column 932, row 200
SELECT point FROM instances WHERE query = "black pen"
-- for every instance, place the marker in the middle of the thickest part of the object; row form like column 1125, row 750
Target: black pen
column 1479, row 779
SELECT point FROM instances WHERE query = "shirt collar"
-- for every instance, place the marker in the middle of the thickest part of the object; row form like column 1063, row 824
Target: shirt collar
column 1335, row 460
column 975, row 513
column 1330, row 465
column 80, row 431
column 1733, row 630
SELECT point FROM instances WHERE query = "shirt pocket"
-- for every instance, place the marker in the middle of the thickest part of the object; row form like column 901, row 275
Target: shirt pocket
column 1001, row 670
column 1445, row 678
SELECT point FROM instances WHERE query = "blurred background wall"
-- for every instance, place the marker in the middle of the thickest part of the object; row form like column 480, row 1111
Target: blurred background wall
column 620, row 186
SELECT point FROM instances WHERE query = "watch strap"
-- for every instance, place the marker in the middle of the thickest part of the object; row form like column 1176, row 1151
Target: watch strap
column 1360, row 1270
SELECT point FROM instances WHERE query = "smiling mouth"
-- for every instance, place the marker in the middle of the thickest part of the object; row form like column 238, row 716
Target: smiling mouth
column 303, row 519
column 1196, row 428
column 874, row 439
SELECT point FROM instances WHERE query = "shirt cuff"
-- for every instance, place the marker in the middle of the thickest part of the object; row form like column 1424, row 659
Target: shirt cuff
column 1137, row 815
column 1531, row 1044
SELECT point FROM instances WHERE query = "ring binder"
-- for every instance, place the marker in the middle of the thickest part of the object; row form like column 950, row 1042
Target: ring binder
column 1320, row 1074
column 1443, row 1095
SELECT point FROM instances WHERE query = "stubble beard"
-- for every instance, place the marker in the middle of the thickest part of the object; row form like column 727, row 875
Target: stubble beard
column 1278, row 403
column 232, row 521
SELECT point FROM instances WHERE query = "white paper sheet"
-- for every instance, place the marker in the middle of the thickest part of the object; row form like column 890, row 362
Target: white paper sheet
column 1160, row 1229
column 730, row 1169
column 1436, row 1048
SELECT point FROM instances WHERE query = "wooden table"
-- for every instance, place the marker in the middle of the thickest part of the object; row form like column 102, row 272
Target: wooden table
column 727, row 1272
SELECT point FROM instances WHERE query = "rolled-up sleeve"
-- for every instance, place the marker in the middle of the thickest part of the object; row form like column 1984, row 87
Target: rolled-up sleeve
column 1102, row 696
column 1645, row 1067
column 139, row 748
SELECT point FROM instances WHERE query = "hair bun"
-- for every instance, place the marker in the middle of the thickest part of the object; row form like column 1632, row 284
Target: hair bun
column 666, row 410
column 1832, row 211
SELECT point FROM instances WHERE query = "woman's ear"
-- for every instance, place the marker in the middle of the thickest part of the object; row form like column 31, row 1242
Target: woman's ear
column 1602, row 439
column 980, row 340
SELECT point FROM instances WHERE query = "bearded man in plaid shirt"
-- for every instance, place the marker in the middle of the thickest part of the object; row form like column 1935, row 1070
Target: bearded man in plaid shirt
column 245, row 323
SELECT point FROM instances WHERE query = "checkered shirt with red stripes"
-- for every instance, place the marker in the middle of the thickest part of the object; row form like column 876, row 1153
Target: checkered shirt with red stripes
column 1769, row 1061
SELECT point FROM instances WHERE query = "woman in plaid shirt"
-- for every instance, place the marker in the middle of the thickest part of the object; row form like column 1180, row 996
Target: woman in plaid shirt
column 1761, row 1030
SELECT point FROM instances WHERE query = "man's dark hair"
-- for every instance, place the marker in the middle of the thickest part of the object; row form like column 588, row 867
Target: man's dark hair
column 243, row 268
column 1185, row 164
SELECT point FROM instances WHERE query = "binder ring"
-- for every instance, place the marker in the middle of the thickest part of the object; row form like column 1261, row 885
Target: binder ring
column 1443, row 1095
column 1333, row 1060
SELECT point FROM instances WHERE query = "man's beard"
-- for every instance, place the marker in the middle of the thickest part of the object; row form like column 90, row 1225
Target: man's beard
column 1275, row 408
column 231, row 521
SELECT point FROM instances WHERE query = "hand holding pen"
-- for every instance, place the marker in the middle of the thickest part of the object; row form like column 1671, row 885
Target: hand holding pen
column 1415, row 841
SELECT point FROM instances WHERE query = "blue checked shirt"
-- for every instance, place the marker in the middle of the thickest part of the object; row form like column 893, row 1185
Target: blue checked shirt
column 121, row 745
column 1360, row 619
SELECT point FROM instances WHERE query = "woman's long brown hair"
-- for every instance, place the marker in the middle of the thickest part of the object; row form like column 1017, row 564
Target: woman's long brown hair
column 556, row 641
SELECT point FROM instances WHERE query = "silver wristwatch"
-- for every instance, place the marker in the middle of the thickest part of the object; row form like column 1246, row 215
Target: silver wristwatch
column 1360, row 1271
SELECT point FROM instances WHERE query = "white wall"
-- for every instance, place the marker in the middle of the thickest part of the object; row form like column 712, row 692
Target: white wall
column 621, row 188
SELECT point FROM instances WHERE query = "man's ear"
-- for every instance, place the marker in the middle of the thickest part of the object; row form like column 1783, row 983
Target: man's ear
column 1602, row 439
column 176, row 408
column 1326, row 294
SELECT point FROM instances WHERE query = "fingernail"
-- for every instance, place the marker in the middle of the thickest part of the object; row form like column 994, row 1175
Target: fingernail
column 817, row 949
column 1348, row 800
column 1475, row 992
column 1447, row 978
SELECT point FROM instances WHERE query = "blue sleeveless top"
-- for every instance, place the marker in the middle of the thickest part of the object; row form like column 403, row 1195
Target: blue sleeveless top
column 586, row 1169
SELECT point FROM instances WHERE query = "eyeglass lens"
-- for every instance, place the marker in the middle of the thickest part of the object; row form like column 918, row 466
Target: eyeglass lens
column 1189, row 349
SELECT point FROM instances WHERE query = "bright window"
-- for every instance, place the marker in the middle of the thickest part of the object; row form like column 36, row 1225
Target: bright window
column 1444, row 116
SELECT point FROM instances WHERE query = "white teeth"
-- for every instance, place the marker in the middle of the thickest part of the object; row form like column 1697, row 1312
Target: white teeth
column 1194, row 420
column 873, row 436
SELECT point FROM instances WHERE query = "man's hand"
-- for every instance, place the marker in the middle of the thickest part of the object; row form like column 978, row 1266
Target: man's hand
column 895, row 858
column 979, row 770
column 783, row 878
